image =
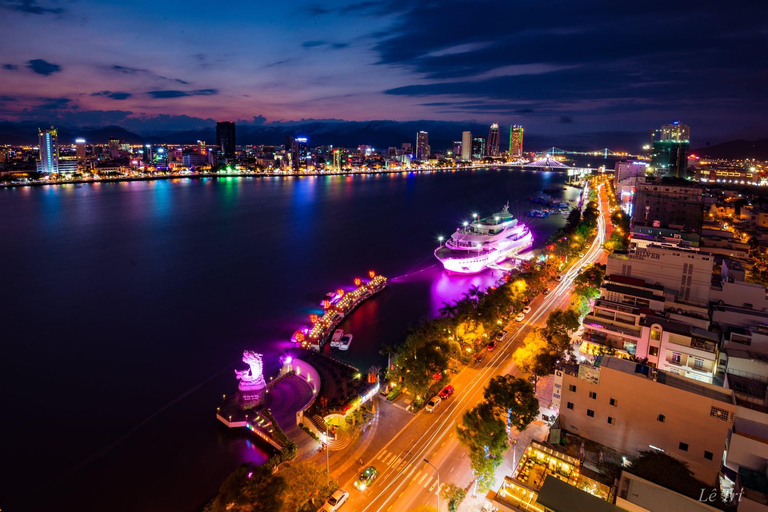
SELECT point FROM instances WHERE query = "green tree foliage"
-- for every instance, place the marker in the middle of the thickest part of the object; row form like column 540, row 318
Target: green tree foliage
column 425, row 352
column 512, row 399
column 250, row 489
column 308, row 487
column 561, row 323
column 486, row 438
column 454, row 495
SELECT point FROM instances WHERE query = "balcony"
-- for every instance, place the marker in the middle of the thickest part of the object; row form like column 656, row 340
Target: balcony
column 592, row 321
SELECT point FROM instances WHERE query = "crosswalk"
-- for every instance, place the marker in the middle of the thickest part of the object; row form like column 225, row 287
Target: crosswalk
column 385, row 459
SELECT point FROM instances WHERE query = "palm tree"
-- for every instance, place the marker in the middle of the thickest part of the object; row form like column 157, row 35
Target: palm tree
column 448, row 310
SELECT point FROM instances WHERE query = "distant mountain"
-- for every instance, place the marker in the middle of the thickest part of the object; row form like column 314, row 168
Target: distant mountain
column 26, row 133
column 736, row 149
column 379, row 134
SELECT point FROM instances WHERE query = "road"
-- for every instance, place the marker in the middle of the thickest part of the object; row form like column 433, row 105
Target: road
column 406, row 480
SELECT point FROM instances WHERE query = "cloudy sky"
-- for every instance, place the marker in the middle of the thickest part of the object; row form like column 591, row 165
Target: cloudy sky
column 554, row 66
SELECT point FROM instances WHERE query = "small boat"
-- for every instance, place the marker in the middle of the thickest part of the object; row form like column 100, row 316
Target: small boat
column 328, row 297
column 538, row 213
column 336, row 338
column 345, row 341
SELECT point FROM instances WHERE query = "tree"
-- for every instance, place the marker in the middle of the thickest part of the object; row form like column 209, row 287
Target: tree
column 308, row 486
column 537, row 356
column 250, row 489
column 561, row 323
column 454, row 495
column 515, row 398
column 486, row 438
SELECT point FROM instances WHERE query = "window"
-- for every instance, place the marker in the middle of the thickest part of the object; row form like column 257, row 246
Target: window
column 593, row 395
column 614, row 402
column 698, row 364
column 708, row 455
column 683, row 447
column 571, row 387
column 676, row 357
column 719, row 413
column 590, row 413
column 661, row 418
column 655, row 334
column 653, row 351
column 570, row 405
column 611, row 421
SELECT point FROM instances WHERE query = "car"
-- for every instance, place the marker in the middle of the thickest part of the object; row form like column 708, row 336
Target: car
column 581, row 255
column 491, row 345
column 366, row 478
column 526, row 310
column 433, row 403
column 335, row 501
column 446, row 392
column 500, row 335
column 546, row 291
column 520, row 317
column 558, row 278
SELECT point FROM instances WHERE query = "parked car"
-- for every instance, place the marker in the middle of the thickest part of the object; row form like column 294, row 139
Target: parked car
column 446, row 392
column 558, row 278
column 335, row 502
column 526, row 310
column 520, row 317
column 432, row 405
column 491, row 345
column 366, row 478
column 546, row 291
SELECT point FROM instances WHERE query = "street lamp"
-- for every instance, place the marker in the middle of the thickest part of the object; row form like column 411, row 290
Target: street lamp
column 438, row 483
column 440, row 239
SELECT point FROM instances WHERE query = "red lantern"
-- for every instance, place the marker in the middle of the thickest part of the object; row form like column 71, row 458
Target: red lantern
column 313, row 318
column 371, row 274
column 358, row 281
column 326, row 304
column 298, row 336
column 340, row 292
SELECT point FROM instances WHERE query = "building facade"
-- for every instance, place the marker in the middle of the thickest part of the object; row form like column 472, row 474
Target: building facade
column 492, row 149
column 516, row 142
column 466, row 146
column 630, row 408
column 662, row 204
column 48, row 142
column 670, row 149
column 225, row 138
column 422, row 146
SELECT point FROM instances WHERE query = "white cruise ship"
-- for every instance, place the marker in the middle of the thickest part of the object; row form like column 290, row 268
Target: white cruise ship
column 483, row 243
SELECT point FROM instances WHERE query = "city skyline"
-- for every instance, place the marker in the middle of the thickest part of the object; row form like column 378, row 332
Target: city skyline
column 196, row 66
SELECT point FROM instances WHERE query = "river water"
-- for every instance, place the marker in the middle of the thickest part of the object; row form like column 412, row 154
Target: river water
column 126, row 306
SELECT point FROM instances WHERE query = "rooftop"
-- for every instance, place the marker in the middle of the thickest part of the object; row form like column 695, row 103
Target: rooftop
column 668, row 379
column 563, row 497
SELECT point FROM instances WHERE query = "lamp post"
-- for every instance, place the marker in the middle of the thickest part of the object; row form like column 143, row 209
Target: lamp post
column 440, row 239
column 327, row 456
column 438, row 483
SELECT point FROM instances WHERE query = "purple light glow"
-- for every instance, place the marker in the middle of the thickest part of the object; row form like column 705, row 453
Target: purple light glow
column 288, row 360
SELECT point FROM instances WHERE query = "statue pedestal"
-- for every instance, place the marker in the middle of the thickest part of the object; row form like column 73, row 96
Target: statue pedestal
column 251, row 393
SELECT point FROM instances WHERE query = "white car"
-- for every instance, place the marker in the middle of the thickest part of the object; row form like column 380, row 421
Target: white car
column 520, row 317
column 335, row 502
column 432, row 405
column 526, row 310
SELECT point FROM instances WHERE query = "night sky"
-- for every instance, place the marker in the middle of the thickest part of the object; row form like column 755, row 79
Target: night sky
column 556, row 67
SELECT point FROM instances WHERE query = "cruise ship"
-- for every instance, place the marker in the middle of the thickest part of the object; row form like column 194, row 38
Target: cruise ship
column 485, row 242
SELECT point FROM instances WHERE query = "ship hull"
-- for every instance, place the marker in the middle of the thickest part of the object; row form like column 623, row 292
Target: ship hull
column 479, row 263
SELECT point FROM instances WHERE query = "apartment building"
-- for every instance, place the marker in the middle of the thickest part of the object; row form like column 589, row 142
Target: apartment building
column 631, row 407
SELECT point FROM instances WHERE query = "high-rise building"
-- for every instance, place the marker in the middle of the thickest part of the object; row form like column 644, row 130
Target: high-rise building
column 225, row 138
column 457, row 149
column 48, row 141
column 492, row 148
column 300, row 153
column 422, row 146
column 516, row 142
column 114, row 147
column 478, row 147
column 659, row 204
column 466, row 146
column 670, row 149
column 80, row 149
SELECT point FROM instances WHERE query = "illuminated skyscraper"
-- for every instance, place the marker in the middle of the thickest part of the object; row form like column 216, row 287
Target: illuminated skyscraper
column 466, row 146
column 516, row 142
column 48, row 140
column 492, row 149
column 478, row 147
column 300, row 154
column 422, row 146
column 457, row 149
column 670, row 149
column 114, row 148
column 225, row 138
column 80, row 149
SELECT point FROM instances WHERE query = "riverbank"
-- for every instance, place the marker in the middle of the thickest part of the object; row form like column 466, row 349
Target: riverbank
column 257, row 174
